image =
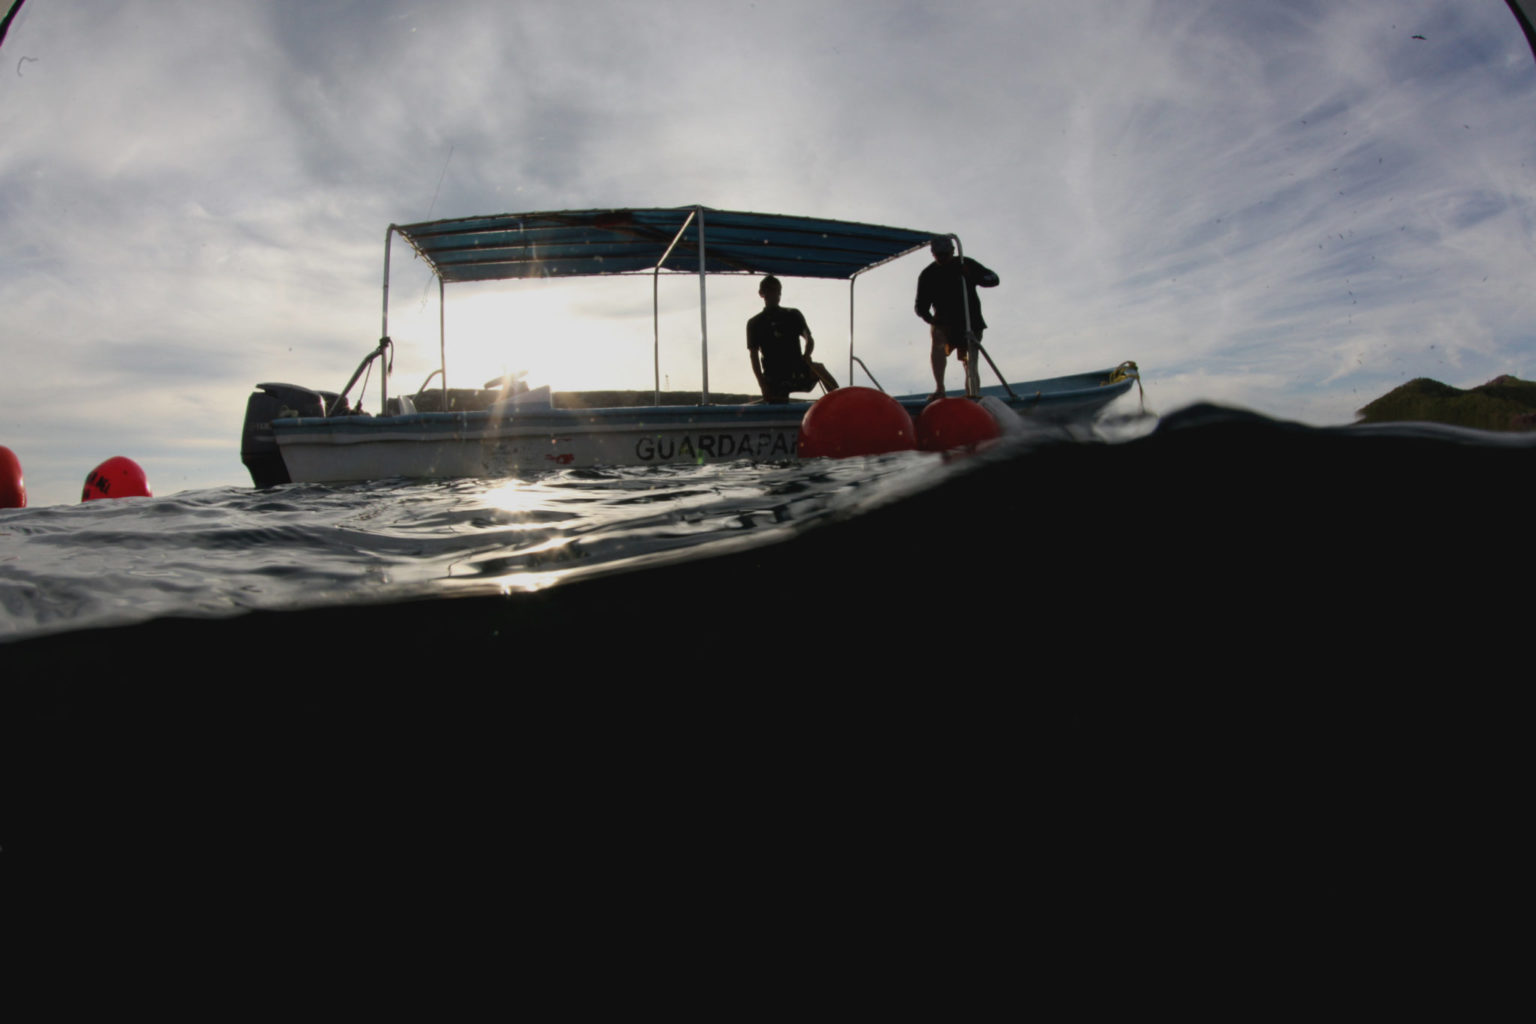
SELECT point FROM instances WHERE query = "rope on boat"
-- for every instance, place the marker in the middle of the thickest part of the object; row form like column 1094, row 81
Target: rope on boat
column 1131, row 370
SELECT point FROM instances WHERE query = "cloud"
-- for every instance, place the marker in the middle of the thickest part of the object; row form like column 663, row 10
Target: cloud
column 1282, row 204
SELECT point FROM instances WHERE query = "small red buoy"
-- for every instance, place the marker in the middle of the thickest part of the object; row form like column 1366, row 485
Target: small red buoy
column 954, row 423
column 13, row 489
column 118, row 477
column 855, row 421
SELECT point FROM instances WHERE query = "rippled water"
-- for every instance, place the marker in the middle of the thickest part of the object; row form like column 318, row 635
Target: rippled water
column 218, row 552
column 1047, row 614
column 1210, row 498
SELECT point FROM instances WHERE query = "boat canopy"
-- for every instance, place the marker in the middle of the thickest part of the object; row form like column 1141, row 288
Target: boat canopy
column 693, row 240
column 577, row 243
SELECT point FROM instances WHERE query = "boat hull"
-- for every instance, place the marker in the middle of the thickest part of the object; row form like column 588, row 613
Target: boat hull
column 505, row 442
column 433, row 445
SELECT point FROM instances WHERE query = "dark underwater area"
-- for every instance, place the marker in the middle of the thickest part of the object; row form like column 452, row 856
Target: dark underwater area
column 1236, row 666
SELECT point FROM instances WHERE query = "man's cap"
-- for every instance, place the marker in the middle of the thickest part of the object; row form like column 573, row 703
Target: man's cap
column 944, row 246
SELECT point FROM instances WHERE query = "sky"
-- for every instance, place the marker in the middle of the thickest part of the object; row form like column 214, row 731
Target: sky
column 1291, row 206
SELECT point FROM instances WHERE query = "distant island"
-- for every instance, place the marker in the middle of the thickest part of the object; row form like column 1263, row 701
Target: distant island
column 1504, row 403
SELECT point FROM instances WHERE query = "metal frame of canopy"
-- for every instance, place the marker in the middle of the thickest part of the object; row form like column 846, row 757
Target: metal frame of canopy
column 636, row 241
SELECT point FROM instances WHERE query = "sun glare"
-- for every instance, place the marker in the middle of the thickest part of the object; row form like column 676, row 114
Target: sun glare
column 512, row 519
column 571, row 335
column 597, row 333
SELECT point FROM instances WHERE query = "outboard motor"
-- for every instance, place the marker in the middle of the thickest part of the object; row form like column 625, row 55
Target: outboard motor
column 258, row 448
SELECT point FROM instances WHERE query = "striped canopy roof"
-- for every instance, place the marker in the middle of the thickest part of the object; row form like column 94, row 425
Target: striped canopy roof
column 576, row 243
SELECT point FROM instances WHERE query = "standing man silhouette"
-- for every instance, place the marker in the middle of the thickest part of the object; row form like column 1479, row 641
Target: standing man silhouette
column 940, row 288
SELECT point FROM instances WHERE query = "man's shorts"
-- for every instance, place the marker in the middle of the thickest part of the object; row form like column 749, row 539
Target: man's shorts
column 802, row 379
column 943, row 334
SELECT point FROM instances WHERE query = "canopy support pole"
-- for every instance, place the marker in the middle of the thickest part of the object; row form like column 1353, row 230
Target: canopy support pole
column 972, row 346
column 384, row 329
column 851, row 282
column 656, row 304
column 442, row 342
column 972, row 372
column 703, row 310
column 656, row 333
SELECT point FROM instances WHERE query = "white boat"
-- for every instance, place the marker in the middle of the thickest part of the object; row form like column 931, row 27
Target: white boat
column 298, row 434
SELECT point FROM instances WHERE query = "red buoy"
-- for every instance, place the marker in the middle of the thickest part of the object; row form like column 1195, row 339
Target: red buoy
column 118, row 477
column 13, row 489
column 954, row 423
column 855, row 421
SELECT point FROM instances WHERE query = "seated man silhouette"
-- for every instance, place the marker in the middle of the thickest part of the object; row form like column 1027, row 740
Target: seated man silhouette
column 773, row 338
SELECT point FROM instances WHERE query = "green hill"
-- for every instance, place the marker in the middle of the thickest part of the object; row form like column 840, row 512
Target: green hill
column 1504, row 403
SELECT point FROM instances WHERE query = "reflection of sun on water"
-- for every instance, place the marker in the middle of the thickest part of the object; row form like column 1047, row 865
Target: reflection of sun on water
column 512, row 496
column 513, row 504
